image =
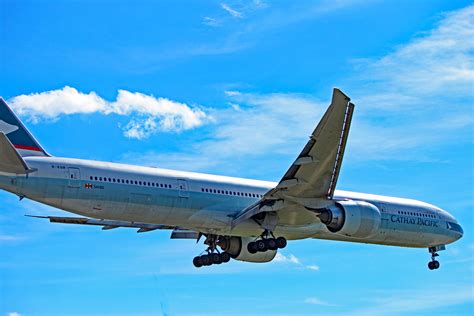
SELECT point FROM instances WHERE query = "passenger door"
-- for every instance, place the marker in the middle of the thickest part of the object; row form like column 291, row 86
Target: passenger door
column 183, row 188
column 74, row 176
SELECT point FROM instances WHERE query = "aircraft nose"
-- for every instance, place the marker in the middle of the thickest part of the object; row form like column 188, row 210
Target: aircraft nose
column 456, row 229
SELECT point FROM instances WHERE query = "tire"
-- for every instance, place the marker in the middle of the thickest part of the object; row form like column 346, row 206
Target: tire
column 252, row 247
column 206, row 260
column 436, row 264
column 430, row 265
column 215, row 258
column 261, row 245
column 281, row 242
column 225, row 257
column 271, row 244
column 197, row 262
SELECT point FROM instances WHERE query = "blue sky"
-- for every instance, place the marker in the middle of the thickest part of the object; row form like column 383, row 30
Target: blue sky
column 235, row 88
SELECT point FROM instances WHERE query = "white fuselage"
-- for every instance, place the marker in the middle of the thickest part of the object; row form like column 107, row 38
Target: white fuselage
column 206, row 203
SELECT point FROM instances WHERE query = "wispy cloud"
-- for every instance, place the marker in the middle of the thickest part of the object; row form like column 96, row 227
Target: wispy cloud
column 439, row 61
column 292, row 259
column 316, row 301
column 10, row 238
column 231, row 11
column 151, row 114
column 13, row 314
column 253, row 125
column 398, row 116
column 211, row 21
column 286, row 259
column 419, row 300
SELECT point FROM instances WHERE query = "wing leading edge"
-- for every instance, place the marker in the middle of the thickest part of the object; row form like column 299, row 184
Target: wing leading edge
column 314, row 173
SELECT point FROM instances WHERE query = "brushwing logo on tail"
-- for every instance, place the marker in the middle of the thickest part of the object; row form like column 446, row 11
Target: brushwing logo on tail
column 7, row 128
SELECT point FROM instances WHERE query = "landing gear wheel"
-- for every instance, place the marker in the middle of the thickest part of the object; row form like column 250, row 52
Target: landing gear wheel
column 430, row 265
column 206, row 260
column 261, row 246
column 252, row 247
column 197, row 262
column 225, row 257
column 281, row 242
column 433, row 265
column 271, row 244
column 215, row 258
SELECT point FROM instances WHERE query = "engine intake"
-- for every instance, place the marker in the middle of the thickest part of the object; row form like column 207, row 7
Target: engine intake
column 352, row 218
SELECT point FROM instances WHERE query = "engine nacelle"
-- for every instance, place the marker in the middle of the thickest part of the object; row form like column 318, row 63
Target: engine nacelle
column 352, row 218
column 237, row 248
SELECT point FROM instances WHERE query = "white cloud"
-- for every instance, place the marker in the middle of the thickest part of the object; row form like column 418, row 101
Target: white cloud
column 13, row 314
column 292, row 259
column 400, row 116
column 286, row 259
column 315, row 301
column 261, row 125
column 313, row 267
column 153, row 113
column 441, row 60
column 436, row 63
column 231, row 11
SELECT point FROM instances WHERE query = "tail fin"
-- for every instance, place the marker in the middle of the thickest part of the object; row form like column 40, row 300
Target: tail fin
column 17, row 134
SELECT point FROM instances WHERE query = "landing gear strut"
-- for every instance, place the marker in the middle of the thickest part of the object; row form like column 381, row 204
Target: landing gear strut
column 434, row 264
column 266, row 243
column 212, row 256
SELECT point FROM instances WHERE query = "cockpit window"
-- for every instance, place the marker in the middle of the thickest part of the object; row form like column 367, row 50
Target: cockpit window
column 455, row 227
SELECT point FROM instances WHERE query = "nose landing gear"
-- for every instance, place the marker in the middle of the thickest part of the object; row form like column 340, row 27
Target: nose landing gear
column 434, row 264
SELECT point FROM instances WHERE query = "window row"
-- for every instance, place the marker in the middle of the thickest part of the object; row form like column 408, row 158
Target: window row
column 136, row 182
column 227, row 192
column 416, row 214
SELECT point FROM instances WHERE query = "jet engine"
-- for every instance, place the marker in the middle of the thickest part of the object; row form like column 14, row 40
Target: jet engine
column 236, row 247
column 352, row 218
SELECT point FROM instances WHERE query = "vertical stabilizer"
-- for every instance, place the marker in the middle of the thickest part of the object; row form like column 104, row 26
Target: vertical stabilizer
column 17, row 134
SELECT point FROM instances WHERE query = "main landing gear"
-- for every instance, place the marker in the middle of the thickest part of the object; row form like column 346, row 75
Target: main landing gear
column 434, row 264
column 212, row 256
column 266, row 243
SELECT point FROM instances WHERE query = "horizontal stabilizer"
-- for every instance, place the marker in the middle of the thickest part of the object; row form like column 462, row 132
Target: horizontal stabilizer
column 10, row 159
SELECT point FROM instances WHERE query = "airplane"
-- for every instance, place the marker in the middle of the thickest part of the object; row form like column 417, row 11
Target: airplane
column 240, row 219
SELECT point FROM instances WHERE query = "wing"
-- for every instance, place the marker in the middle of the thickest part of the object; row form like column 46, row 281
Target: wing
column 313, row 175
column 178, row 233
